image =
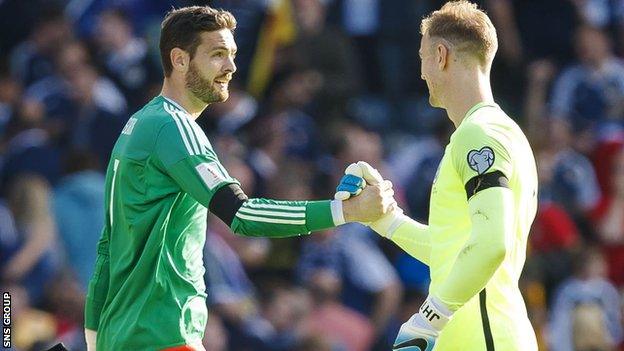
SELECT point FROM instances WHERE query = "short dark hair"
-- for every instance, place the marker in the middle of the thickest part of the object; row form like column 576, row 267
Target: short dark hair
column 182, row 27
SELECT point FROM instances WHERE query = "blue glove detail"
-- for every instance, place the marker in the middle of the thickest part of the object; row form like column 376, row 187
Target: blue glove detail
column 351, row 184
column 413, row 339
column 420, row 332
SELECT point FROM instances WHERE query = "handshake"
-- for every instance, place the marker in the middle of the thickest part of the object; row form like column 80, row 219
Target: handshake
column 369, row 199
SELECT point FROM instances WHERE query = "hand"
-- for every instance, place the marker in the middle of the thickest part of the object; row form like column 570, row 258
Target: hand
column 355, row 179
column 421, row 331
column 372, row 203
column 357, row 176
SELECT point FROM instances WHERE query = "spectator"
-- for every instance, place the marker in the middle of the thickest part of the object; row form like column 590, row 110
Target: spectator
column 33, row 59
column 29, row 258
column 334, row 59
column 10, row 95
column 232, row 115
column 94, row 128
column 79, row 212
column 343, row 327
column 28, row 146
column 283, row 312
column 589, row 296
column 590, row 93
column 574, row 184
column 609, row 220
column 370, row 284
column 124, row 57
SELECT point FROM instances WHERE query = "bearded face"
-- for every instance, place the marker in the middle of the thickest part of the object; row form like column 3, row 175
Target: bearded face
column 206, row 90
column 212, row 66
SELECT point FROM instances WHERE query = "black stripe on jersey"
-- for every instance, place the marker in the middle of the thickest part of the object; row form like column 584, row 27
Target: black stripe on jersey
column 226, row 201
column 485, row 320
column 484, row 181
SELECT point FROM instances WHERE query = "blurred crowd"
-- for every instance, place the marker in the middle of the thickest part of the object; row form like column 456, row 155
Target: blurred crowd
column 320, row 84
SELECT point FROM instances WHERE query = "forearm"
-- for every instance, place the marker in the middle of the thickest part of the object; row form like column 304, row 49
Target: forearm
column 274, row 218
column 492, row 222
column 414, row 238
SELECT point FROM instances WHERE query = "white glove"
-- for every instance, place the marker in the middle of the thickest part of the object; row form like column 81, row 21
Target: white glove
column 421, row 331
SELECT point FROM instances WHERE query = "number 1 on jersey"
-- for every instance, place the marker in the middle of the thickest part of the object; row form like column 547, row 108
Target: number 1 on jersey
column 110, row 209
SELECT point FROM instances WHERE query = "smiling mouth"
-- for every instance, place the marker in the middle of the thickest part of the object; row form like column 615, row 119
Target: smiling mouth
column 221, row 84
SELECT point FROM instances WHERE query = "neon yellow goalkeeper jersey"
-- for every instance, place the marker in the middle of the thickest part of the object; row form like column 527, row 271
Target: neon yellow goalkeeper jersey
column 487, row 140
column 148, row 292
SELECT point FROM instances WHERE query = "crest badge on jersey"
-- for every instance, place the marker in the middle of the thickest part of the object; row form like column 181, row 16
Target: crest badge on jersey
column 481, row 160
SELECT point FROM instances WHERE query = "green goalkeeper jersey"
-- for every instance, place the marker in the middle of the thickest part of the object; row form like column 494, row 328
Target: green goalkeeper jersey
column 486, row 141
column 147, row 292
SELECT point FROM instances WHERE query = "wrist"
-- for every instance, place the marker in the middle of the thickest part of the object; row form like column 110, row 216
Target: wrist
column 337, row 211
column 435, row 313
column 389, row 223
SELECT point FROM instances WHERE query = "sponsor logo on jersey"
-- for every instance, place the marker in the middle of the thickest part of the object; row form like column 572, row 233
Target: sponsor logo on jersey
column 210, row 174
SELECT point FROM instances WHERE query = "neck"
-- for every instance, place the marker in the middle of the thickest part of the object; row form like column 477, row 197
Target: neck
column 467, row 90
column 175, row 90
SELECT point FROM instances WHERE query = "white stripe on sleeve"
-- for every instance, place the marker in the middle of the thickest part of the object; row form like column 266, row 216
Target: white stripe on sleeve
column 180, row 128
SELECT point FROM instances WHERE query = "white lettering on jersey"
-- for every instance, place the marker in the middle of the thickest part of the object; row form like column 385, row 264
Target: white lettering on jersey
column 129, row 126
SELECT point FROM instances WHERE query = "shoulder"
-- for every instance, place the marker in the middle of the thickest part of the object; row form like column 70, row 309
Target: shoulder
column 155, row 115
column 492, row 125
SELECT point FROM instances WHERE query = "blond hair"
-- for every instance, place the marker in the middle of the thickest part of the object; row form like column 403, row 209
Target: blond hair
column 466, row 27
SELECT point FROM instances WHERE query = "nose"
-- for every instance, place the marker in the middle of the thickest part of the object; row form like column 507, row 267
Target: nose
column 230, row 66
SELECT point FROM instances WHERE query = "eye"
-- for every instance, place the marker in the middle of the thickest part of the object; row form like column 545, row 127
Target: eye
column 219, row 54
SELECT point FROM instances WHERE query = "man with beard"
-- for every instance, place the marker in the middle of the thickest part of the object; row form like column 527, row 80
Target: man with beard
column 147, row 292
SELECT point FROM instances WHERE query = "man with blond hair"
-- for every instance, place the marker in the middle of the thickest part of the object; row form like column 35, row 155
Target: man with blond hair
column 483, row 199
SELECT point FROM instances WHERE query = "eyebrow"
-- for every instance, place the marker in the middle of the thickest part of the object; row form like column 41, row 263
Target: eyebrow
column 221, row 47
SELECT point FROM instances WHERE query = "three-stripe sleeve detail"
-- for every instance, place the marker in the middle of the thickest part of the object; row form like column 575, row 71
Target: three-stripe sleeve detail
column 172, row 112
column 272, row 213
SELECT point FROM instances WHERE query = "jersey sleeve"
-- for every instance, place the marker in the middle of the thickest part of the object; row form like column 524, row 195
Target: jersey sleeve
column 98, row 285
column 477, row 151
column 275, row 218
column 186, row 155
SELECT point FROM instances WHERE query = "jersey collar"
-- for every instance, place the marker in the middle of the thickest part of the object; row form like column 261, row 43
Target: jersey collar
column 176, row 105
column 474, row 108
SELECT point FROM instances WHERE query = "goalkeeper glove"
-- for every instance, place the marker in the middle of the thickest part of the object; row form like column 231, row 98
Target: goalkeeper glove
column 420, row 332
column 357, row 175
column 351, row 184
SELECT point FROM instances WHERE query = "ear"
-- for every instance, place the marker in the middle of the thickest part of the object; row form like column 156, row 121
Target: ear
column 442, row 53
column 179, row 59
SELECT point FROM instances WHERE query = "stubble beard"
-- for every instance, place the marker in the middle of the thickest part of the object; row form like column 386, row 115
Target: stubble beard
column 202, row 88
